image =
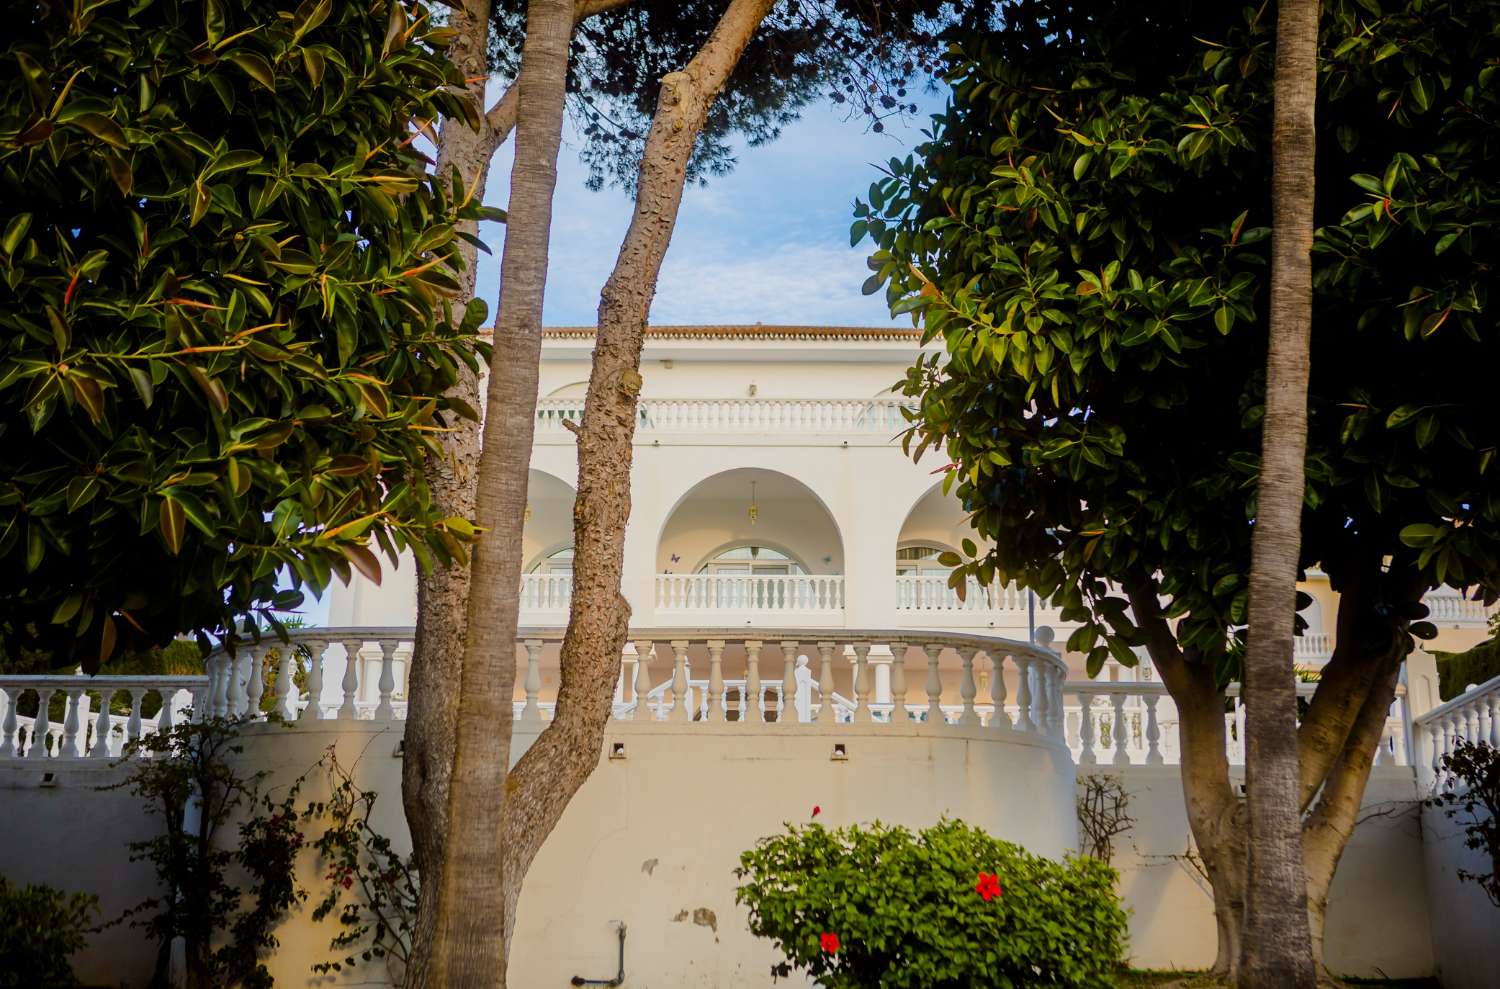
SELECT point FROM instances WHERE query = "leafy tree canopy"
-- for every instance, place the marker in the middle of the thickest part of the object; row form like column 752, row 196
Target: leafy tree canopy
column 222, row 283
column 1086, row 233
column 868, row 55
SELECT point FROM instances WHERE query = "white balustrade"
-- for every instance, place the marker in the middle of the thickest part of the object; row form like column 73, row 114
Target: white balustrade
column 931, row 593
column 1450, row 607
column 546, row 591
column 1119, row 723
column 771, row 416
column 806, row 593
column 1313, row 645
column 87, row 728
column 1473, row 716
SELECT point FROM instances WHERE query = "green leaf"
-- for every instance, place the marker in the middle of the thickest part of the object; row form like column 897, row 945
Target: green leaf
column 101, row 127
column 256, row 67
column 15, row 232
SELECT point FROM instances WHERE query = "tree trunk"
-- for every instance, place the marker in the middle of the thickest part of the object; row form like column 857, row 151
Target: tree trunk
column 468, row 943
column 562, row 758
column 1327, row 829
column 1277, row 948
column 443, row 592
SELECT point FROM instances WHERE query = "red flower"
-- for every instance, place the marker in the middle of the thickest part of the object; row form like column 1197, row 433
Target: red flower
column 816, row 811
column 988, row 886
column 829, row 943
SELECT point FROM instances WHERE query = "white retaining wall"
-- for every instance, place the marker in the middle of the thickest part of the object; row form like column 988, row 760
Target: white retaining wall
column 1465, row 924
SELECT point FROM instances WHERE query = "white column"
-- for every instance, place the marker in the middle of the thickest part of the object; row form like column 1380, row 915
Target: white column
column 531, row 713
column 934, row 684
column 715, row 711
column 753, row 712
column 680, row 710
column 384, row 711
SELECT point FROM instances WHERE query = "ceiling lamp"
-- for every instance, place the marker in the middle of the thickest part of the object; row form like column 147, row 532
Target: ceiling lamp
column 754, row 510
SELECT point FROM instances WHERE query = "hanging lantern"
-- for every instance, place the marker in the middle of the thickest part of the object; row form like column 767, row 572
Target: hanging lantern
column 754, row 510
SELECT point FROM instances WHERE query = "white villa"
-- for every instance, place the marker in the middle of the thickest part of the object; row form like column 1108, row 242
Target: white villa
column 793, row 643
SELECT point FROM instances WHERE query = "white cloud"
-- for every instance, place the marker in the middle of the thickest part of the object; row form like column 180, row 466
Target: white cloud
column 788, row 283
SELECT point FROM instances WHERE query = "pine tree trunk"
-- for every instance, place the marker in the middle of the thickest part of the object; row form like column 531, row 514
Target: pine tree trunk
column 469, row 946
column 562, row 758
column 1277, row 947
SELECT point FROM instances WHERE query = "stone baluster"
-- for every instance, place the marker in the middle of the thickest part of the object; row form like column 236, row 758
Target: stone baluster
column 8, row 725
column 239, row 682
column 68, row 747
column 285, row 688
column 133, row 723
column 164, row 716
column 1494, row 735
column 350, row 683
column 642, row 681
column 716, row 708
column 43, row 723
column 102, row 725
column 1041, row 700
column 1000, row 720
column 1153, row 732
column 1119, row 757
column 219, row 706
column 531, row 713
column 934, row 684
column 751, row 707
column 862, row 683
column 1087, row 756
column 967, row 691
column 1481, row 720
column 787, row 713
column 826, row 714
column 679, row 710
column 257, row 682
column 314, row 709
column 899, row 713
column 384, row 710
column 1023, row 692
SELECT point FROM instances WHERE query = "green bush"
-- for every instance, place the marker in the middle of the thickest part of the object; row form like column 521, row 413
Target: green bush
column 39, row 928
column 949, row 906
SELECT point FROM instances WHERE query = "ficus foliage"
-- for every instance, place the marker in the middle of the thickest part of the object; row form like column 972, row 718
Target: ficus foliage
column 1086, row 233
column 950, row 906
column 224, row 339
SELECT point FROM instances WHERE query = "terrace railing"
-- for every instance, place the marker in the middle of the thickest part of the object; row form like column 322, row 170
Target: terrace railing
column 879, row 416
column 1473, row 716
column 750, row 593
column 88, row 728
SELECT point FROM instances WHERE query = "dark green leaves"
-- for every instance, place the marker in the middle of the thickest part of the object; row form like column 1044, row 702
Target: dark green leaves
column 224, row 342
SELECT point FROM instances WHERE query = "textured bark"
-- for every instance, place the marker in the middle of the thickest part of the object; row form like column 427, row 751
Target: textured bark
column 566, row 752
column 443, row 593
column 469, row 946
column 1277, row 947
column 1327, row 829
column 1215, row 814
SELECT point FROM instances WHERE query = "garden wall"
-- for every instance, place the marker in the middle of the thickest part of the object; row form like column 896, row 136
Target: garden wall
column 65, row 832
column 1465, row 924
column 1377, row 915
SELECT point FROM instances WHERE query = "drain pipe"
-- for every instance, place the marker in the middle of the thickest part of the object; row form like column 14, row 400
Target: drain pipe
column 579, row 980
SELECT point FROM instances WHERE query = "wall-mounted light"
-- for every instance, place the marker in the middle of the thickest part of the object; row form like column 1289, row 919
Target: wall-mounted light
column 754, row 509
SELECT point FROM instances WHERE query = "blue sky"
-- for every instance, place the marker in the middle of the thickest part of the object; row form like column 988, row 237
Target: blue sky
column 768, row 243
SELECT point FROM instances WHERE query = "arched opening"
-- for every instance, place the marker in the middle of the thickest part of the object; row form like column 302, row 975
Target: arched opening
column 936, row 524
column 547, row 544
column 750, row 540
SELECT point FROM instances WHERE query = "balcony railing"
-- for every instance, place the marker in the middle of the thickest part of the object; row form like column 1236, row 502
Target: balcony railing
column 931, row 593
column 546, row 591
column 1449, row 607
column 84, row 726
column 881, row 416
column 1473, row 716
column 805, row 593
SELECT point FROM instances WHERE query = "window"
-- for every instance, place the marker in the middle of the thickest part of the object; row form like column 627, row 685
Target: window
column 916, row 561
column 559, row 562
column 761, row 561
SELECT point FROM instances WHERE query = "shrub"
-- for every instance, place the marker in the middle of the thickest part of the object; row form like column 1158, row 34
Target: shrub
column 943, row 908
column 1471, row 796
column 39, row 928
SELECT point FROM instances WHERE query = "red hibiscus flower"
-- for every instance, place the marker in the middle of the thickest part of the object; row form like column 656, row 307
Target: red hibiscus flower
column 816, row 810
column 988, row 886
column 829, row 943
